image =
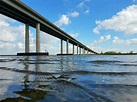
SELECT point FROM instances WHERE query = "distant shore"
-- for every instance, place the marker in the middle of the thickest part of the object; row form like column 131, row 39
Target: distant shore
column 117, row 53
column 120, row 54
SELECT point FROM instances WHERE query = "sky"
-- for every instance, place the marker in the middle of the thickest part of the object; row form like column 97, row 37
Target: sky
column 102, row 25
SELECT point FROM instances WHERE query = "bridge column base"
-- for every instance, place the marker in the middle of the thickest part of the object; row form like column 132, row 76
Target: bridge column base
column 64, row 54
column 33, row 54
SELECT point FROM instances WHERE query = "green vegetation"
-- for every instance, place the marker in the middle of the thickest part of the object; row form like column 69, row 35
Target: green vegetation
column 117, row 53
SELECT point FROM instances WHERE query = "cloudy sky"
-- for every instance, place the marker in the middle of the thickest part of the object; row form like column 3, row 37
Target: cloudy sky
column 102, row 25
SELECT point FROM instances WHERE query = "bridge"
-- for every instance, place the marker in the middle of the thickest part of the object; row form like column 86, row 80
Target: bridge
column 19, row 11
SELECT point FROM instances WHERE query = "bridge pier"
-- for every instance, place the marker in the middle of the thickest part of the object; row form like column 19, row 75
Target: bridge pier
column 83, row 51
column 67, row 46
column 77, row 49
column 26, row 38
column 80, row 51
column 73, row 49
column 61, row 46
column 27, row 48
column 38, row 38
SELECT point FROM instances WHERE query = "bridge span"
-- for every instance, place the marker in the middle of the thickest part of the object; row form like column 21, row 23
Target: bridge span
column 19, row 11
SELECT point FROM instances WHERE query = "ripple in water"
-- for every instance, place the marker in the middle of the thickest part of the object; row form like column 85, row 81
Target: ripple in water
column 79, row 79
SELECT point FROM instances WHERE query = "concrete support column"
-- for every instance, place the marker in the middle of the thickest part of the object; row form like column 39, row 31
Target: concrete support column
column 61, row 46
column 83, row 51
column 80, row 51
column 73, row 49
column 38, row 38
column 67, row 46
column 77, row 49
column 27, row 38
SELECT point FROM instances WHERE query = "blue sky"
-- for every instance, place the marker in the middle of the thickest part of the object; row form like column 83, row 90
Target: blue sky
column 102, row 25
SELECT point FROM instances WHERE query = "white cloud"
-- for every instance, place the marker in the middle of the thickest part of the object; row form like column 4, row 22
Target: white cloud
column 108, row 37
column 4, row 20
column 100, row 40
column 63, row 20
column 96, row 29
column 81, row 4
column 6, row 45
column 124, row 21
column 48, row 39
column 131, row 41
column 3, row 23
column 95, row 45
column 74, row 14
column 11, row 33
column 117, row 40
column 49, row 43
column 84, row 6
column 74, row 35
column 51, row 48
column 20, row 46
column 100, row 49
column 87, row 11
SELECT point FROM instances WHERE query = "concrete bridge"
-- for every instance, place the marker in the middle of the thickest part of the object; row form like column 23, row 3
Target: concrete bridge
column 19, row 11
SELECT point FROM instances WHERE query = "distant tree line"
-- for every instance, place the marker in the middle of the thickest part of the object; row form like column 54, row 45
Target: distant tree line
column 117, row 53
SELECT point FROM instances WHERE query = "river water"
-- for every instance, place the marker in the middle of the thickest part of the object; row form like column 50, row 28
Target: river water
column 89, row 78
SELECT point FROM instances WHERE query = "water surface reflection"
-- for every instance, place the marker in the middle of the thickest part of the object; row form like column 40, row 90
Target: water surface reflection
column 68, row 78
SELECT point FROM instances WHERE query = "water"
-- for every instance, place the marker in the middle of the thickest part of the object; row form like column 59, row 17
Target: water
column 95, row 78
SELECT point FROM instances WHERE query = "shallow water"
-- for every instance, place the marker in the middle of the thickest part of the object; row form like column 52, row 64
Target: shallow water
column 95, row 78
